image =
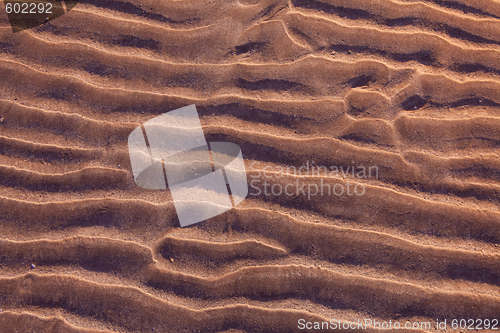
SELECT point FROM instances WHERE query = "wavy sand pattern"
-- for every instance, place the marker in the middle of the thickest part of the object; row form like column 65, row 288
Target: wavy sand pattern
column 412, row 87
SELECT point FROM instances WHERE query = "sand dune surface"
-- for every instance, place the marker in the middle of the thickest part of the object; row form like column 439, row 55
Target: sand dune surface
column 410, row 89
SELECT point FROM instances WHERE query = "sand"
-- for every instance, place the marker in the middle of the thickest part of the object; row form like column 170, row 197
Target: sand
column 409, row 87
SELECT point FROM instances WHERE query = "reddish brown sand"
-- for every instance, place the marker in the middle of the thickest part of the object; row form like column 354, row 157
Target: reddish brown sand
column 412, row 87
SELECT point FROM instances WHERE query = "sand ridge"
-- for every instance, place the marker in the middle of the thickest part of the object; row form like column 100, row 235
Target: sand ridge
column 411, row 87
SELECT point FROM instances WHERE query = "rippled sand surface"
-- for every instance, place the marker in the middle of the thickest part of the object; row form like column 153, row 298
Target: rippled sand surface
column 411, row 87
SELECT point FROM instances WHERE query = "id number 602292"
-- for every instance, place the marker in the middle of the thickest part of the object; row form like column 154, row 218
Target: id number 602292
column 28, row 8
